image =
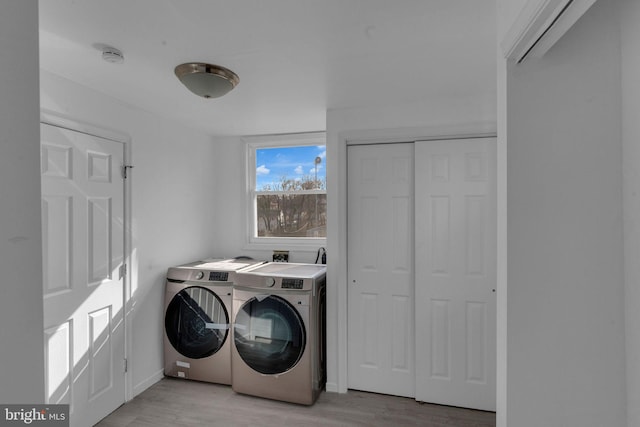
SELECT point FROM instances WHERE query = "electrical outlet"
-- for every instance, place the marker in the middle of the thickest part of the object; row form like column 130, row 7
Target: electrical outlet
column 280, row 256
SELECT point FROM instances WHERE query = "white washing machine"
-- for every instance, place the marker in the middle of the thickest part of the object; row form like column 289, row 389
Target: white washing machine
column 197, row 314
column 278, row 332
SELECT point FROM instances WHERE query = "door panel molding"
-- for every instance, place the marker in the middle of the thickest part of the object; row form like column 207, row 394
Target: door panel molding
column 337, row 143
column 98, row 212
column 380, row 322
column 65, row 121
column 456, row 273
column 453, row 253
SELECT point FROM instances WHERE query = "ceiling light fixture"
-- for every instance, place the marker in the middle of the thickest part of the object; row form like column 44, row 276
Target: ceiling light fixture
column 206, row 80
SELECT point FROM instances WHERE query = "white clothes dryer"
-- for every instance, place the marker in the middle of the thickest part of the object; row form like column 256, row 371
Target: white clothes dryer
column 197, row 319
column 278, row 332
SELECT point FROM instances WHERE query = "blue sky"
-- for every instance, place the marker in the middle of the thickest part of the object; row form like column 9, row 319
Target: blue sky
column 292, row 162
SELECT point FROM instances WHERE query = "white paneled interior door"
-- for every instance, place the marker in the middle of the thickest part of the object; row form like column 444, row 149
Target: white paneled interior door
column 456, row 272
column 83, row 232
column 421, row 270
column 380, row 253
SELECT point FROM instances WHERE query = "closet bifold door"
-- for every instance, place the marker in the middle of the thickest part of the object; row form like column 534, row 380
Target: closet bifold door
column 380, row 263
column 455, row 272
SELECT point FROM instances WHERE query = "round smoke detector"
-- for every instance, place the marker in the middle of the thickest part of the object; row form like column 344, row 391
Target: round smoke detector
column 112, row 55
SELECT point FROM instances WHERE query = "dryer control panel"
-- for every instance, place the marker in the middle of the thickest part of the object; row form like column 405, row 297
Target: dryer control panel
column 279, row 275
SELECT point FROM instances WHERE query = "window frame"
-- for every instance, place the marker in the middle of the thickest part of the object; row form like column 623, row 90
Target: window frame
column 253, row 143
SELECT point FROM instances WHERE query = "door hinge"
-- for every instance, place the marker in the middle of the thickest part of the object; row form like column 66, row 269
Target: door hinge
column 124, row 170
column 125, row 365
column 123, row 270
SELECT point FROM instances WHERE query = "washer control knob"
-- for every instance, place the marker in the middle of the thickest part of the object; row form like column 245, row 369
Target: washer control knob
column 199, row 275
column 270, row 282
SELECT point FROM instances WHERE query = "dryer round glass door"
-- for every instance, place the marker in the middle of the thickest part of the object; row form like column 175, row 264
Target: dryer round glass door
column 269, row 334
column 196, row 322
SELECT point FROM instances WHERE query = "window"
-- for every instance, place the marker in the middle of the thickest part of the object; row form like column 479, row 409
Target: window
column 287, row 189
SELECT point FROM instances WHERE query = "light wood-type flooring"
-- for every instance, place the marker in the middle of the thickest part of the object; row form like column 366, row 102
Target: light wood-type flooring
column 175, row 402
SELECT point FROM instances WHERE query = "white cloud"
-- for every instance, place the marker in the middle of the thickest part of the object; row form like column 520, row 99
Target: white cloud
column 262, row 170
column 313, row 170
column 299, row 170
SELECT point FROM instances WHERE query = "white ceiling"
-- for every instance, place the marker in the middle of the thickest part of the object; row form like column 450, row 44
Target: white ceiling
column 295, row 58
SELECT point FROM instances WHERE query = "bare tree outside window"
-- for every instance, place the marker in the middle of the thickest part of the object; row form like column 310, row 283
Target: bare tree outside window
column 294, row 204
column 282, row 212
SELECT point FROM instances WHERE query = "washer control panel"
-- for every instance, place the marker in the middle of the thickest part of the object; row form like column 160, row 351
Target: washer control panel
column 291, row 283
column 218, row 276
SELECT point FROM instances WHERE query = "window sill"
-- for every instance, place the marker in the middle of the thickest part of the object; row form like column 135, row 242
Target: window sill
column 275, row 243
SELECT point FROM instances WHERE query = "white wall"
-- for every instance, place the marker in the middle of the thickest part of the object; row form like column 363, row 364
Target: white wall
column 565, row 310
column 630, row 17
column 172, row 204
column 424, row 119
column 508, row 11
column 21, row 330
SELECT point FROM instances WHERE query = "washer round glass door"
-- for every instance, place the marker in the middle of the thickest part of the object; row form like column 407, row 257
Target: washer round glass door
column 269, row 334
column 196, row 322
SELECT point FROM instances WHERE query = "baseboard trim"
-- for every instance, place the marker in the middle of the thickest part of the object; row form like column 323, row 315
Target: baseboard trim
column 148, row 382
column 331, row 387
